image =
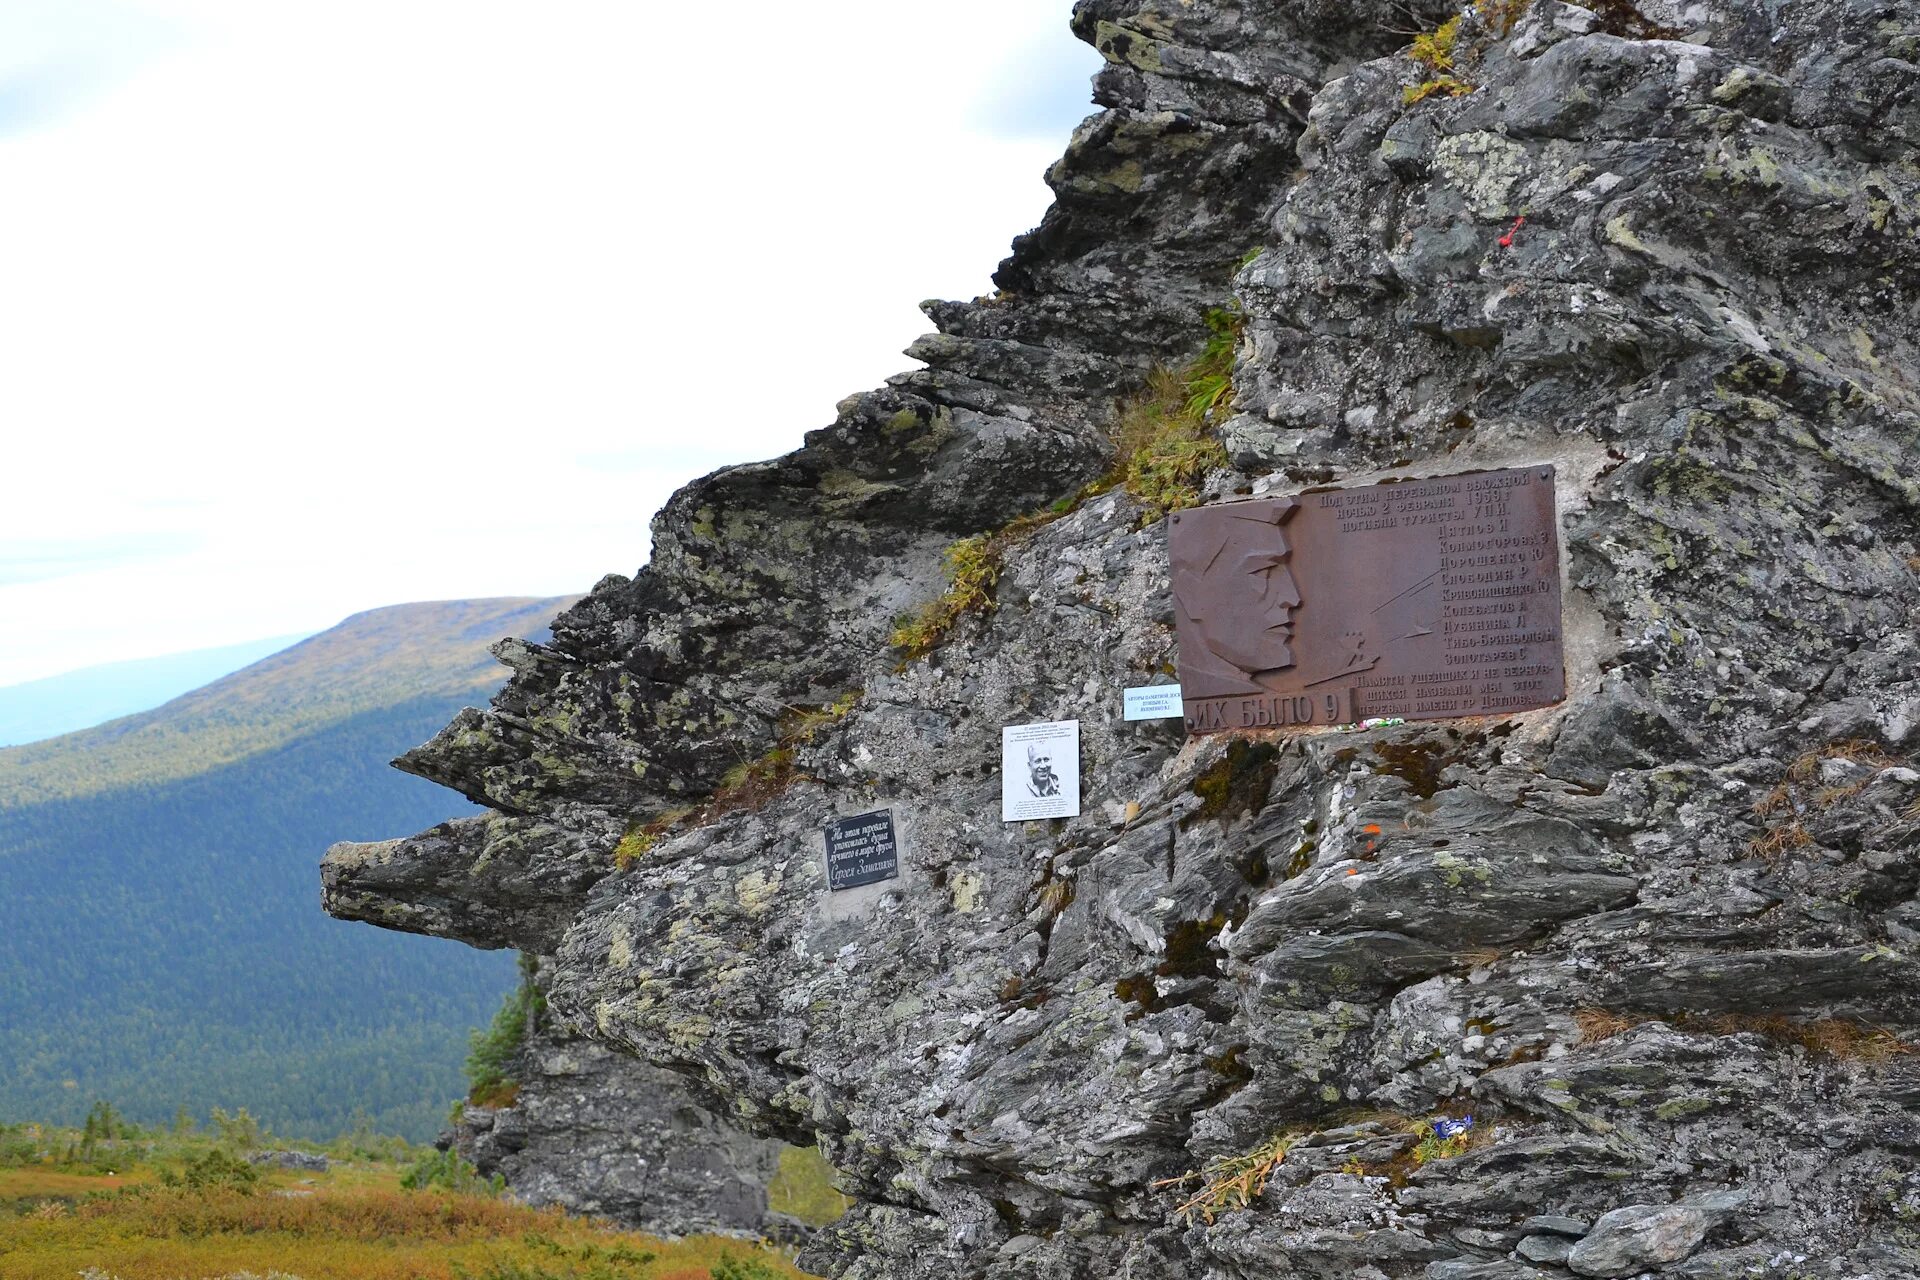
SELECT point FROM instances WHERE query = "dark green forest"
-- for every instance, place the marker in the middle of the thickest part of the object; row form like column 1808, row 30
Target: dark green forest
column 162, row 945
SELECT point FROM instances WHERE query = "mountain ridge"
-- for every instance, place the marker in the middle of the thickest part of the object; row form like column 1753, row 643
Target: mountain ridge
column 374, row 657
column 70, row 701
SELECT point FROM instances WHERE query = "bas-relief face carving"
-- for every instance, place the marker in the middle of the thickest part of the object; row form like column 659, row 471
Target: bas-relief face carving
column 1233, row 584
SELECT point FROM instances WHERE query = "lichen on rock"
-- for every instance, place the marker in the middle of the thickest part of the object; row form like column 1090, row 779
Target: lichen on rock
column 1671, row 249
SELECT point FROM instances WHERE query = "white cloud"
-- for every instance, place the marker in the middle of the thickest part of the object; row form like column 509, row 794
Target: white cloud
column 332, row 305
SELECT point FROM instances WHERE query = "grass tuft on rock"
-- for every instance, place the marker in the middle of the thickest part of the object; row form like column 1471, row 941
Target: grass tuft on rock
column 746, row 786
column 1164, row 446
column 1837, row 1038
column 1800, row 794
column 972, row 567
column 1231, row 1182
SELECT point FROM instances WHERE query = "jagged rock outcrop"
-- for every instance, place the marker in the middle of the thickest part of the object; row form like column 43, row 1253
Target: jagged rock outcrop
column 597, row 1132
column 1660, row 940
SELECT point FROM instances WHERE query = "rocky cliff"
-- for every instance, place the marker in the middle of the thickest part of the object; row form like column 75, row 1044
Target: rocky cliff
column 596, row 1132
column 1622, row 986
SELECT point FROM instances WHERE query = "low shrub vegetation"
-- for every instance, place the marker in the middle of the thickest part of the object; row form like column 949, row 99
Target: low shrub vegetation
column 185, row 1205
column 212, row 1170
column 1231, row 1182
column 493, row 1054
column 447, row 1171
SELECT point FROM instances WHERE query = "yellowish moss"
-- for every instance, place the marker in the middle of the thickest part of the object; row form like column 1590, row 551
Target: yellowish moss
column 639, row 838
column 1434, row 49
column 1451, row 86
column 803, row 1188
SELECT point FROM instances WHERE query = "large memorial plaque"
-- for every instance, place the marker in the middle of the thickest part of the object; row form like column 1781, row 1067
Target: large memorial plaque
column 1419, row 599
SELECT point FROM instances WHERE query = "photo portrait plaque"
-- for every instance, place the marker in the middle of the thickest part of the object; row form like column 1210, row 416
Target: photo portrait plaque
column 861, row 850
column 1417, row 599
column 1040, row 771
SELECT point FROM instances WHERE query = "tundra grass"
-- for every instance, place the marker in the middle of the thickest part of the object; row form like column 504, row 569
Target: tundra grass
column 348, row 1224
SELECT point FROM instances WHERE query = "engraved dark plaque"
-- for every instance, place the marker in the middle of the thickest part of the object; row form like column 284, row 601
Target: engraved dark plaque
column 1420, row 599
column 861, row 850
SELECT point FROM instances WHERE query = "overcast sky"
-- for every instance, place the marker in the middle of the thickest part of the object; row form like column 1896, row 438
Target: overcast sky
column 314, row 307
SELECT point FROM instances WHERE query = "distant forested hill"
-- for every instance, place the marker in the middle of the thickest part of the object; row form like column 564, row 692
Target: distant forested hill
column 79, row 699
column 161, row 939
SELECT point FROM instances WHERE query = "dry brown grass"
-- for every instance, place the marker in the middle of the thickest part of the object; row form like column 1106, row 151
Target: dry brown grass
column 368, row 1215
column 1797, row 795
column 1231, row 1182
column 1501, row 15
column 1775, row 842
column 1829, row 1037
column 1479, row 957
column 1603, row 1024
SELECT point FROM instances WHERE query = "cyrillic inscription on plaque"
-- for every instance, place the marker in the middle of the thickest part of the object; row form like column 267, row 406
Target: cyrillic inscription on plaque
column 1419, row 599
column 861, row 850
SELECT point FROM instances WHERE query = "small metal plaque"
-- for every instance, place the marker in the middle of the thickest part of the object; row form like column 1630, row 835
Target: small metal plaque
column 861, row 850
column 1419, row 599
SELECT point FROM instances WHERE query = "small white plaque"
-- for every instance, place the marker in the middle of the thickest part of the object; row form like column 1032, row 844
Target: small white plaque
column 1154, row 702
column 1040, row 771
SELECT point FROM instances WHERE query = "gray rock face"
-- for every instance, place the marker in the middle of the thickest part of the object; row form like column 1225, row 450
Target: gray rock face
column 1660, row 940
column 598, row 1133
column 1545, row 1248
column 1640, row 1237
column 301, row 1160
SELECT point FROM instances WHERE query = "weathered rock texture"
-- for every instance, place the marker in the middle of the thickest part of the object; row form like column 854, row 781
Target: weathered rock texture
column 599, row 1133
column 1660, row 941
